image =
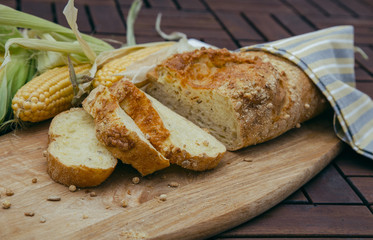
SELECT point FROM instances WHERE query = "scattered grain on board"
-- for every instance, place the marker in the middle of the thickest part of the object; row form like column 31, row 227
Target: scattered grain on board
column 29, row 214
column 93, row 194
column 174, row 184
column 298, row 125
column 85, row 216
column 54, row 198
column 123, row 203
column 72, row 188
column 135, row 180
column 6, row 204
column 247, row 160
column 163, row 197
column 42, row 219
column 9, row 192
column 34, row 180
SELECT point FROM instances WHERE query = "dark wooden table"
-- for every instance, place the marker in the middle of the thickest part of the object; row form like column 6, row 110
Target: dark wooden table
column 338, row 203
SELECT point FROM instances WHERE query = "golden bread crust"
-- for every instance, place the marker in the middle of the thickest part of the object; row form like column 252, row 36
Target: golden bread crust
column 139, row 108
column 122, row 142
column 80, row 176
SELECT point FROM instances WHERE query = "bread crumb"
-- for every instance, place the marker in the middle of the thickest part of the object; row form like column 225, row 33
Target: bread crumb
column 174, row 184
column 45, row 153
column 6, row 204
column 108, row 207
column 54, row 198
column 206, row 130
column 247, row 160
column 185, row 163
column 29, row 214
column 9, row 192
column 238, row 106
column 34, row 180
column 42, row 219
column 306, row 106
column 129, row 192
column 123, row 203
column 84, row 216
column 287, row 116
column 135, row 180
column 72, row 188
column 205, row 143
column 269, row 105
column 163, row 197
column 298, row 125
column 93, row 194
column 147, row 136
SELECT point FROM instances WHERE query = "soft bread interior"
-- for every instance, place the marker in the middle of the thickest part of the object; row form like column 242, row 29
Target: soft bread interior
column 76, row 144
column 204, row 108
column 186, row 135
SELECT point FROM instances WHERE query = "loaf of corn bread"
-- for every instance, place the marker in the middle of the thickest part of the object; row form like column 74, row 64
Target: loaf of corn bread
column 242, row 98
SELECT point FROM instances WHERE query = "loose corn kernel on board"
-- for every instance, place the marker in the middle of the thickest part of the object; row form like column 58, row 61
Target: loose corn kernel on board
column 170, row 204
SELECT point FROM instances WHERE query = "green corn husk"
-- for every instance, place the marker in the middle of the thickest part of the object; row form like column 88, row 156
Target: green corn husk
column 13, row 76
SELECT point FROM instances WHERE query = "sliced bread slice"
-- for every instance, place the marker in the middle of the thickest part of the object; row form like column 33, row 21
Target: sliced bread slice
column 74, row 155
column 120, row 134
column 178, row 139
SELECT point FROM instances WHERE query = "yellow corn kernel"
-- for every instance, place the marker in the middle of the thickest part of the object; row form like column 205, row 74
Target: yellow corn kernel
column 46, row 95
column 105, row 75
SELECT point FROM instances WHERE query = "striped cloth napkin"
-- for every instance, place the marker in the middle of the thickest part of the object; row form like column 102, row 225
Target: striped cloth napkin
column 327, row 57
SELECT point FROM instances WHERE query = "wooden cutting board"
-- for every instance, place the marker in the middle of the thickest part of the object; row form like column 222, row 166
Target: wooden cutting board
column 245, row 184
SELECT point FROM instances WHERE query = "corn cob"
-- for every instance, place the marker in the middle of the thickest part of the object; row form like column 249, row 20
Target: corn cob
column 106, row 75
column 51, row 93
column 46, row 95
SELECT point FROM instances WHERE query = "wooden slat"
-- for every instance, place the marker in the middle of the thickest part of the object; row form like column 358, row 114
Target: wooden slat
column 332, row 8
column 294, row 23
column 180, row 20
column 9, row 3
column 162, row 4
column 362, row 75
column 330, row 187
column 364, row 186
column 359, row 7
column 268, row 26
column 305, row 7
column 353, row 164
column 106, row 19
column 297, row 197
column 191, row 5
column 40, row 9
column 126, row 3
column 256, row 6
column 365, row 87
column 308, row 221
column 237, row 26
